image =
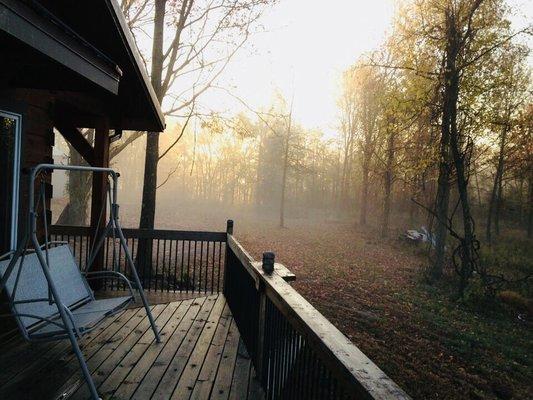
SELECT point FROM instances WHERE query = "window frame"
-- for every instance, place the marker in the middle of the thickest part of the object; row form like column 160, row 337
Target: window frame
column 17, row 117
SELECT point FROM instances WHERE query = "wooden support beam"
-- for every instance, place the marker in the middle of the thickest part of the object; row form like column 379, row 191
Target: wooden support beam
column 99, row 190
column 78, row 141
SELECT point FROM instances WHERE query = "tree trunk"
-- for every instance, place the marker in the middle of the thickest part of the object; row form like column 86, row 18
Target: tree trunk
column 346, row 174
column 478, row 188
column 530, row 207
column 412, row 210
column 150, row 181
column 284, row 173
column 152, row 143
column 388, row 185
column 78, row 190
column 443, row 184
column 490, row 213
column 152, row 140
column 441, row 205
column 344, row 182
column 451, row 96
column 499, row 203
column 495, row 197
column 364, row 189
column 521, row 200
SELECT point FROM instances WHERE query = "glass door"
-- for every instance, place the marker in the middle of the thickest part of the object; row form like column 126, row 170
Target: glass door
column 10, row 143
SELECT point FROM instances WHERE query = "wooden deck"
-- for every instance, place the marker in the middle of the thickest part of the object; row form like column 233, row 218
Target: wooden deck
column 201, row 357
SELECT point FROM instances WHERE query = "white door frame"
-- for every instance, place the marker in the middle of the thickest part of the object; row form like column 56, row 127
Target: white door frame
column 16, row 175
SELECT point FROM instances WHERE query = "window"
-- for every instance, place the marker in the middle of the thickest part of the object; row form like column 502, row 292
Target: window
column 10, row 142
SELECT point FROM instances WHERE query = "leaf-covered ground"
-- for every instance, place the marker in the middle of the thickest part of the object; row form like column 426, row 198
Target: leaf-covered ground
column 372, row 290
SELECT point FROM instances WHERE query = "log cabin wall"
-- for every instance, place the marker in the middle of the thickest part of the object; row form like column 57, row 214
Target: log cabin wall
column 37, row 141
column 37, row 145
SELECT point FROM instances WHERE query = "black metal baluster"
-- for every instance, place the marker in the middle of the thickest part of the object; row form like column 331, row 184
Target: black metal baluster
column 194, row 267
column 206, row 267
column 177, row 264
column 149, row 261
column 188, row 266
column 122, row 261
column 181, row 263
column 200, row 266
column 156, row 266
column 163, row 257
column 219, row 264
column 213, row 268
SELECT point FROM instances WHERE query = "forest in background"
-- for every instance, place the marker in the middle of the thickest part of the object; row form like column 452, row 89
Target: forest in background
column 434, row 129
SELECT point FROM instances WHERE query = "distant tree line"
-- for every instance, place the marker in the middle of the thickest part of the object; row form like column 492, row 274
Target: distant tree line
column 434, row 125
column 441, row 115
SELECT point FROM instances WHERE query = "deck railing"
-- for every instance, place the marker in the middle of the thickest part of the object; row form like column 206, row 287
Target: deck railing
column 170, row 260
column 296, row 351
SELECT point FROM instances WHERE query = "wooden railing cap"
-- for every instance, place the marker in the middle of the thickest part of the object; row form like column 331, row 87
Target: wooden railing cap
column 280, row 270
column 347, row 361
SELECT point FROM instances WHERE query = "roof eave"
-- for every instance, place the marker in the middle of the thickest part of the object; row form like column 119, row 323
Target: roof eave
column 135, row 57
column 31, row 28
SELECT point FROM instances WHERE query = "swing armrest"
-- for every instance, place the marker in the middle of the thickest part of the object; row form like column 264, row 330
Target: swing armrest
column 104, row 274
column 72, row 321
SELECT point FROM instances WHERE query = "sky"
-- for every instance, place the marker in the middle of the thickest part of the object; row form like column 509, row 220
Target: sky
column 305, row 47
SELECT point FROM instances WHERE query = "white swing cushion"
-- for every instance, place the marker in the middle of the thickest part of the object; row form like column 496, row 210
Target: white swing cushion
column 32, row 284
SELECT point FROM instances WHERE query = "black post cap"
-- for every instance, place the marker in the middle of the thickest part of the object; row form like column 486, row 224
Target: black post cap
column 268, row 262
column 229, row 226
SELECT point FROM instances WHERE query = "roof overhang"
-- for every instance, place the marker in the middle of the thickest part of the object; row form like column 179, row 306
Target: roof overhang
column 58, row 42
column 66, row 47
column 136, row 60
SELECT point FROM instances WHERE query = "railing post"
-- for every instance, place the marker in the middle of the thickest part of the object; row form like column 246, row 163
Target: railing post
column 229, row 227
column 268, row 262
column 268, row 267
column 229, row 231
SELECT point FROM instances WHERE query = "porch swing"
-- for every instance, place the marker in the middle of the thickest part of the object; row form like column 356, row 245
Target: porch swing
column 47, row 293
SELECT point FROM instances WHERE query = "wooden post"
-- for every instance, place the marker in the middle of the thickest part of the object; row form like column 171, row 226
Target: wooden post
column 268, row 267
column 99, row 191
column 261, row 329
column 268, row 262
column 229, row 231
column 229, row 227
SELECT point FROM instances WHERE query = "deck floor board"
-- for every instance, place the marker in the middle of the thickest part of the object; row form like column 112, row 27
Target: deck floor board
column 201, row 357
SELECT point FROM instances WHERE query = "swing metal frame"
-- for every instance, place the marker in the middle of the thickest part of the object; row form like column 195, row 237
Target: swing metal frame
column 64, row 319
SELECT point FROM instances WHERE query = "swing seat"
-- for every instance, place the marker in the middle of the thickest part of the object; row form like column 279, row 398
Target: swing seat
column 28, row 293
column 47, row 294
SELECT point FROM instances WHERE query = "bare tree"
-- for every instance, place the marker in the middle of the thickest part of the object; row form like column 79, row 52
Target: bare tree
column 193, row 41
column 508, row 95
column 348, row 130
column 286, row 161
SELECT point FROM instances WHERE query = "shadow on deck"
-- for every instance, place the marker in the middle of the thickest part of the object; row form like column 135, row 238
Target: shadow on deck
column 201, row 357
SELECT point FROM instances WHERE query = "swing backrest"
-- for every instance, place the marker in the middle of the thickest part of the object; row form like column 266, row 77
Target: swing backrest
column 32, row 284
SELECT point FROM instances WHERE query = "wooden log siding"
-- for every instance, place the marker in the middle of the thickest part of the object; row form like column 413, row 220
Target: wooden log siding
column 185, row 261
column 296, row 351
